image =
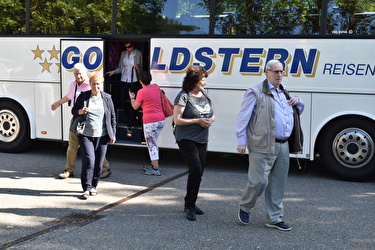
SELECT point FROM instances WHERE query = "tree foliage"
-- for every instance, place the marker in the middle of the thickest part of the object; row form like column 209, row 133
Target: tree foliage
column 12, row 16
column 266, row 17
column 233, row 17
column 71, row 16
column 352, row 17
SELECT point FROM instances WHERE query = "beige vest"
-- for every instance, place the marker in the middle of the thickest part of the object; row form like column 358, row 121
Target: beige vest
column 261, row 128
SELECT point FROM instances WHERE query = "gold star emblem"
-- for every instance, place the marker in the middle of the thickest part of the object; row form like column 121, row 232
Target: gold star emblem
column 37, row 52
column 58, row 65
column 45, row 65
column 54, row 53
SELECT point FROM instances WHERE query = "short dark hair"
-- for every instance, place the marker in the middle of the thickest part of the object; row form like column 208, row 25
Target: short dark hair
column 131, row 44
column 145, row 77
column 193, row 75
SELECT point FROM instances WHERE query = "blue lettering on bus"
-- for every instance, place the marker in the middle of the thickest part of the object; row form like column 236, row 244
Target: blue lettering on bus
column 280, row 54
column 360, row 69
column 370, row 69
column 155, row 60
column 306, row 64
column 228, row 57
column 200, row 55
column 337, row 69
column 252, row 60
column 69, row 57
column 249, row 59
column 176, row 64
column 350, row 69
column 92, row 57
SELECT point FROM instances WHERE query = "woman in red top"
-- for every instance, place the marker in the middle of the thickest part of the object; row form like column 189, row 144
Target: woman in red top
column 149, row 99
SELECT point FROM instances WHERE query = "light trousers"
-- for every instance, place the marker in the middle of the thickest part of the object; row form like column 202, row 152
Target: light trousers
column 152, row 131
column 267, row 173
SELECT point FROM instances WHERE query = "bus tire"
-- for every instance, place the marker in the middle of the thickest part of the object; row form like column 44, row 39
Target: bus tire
column 346, row 149
column 14, row 128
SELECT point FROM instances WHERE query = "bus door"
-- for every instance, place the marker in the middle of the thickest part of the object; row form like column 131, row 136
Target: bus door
column 129, row 129
column 88, row 52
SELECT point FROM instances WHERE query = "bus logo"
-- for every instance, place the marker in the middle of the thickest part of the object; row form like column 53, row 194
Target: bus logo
column 92, row 58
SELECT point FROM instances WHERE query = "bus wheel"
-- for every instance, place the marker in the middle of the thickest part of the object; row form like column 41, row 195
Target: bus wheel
column 347, row 149
column 14, row 128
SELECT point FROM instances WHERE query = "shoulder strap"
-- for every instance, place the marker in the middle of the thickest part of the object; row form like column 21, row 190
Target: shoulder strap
column 286, row 93
column 74, row 96
column 209, row 100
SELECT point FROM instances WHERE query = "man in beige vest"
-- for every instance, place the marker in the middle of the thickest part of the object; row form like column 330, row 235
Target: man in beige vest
column 264, row 125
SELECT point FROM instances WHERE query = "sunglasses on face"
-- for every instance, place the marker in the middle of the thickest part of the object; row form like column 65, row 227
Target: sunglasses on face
column 127, row 47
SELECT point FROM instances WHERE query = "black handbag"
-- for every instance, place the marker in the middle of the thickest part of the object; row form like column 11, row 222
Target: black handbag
column 78, row 124
column 134, row 85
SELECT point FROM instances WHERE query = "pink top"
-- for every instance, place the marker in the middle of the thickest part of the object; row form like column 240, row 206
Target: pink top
column 150, row 100
column 85, row 86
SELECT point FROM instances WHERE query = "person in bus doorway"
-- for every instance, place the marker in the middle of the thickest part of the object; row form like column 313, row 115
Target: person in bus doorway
column 100, row 130
column 193, row 115
column 264, row 123
column 149, row 99
column 130, row 65
column 80, row 84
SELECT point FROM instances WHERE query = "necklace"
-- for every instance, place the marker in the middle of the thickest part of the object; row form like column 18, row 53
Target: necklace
column 95, row 99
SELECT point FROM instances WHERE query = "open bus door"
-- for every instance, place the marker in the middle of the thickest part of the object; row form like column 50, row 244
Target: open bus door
column 90, row 53
column 116, row 88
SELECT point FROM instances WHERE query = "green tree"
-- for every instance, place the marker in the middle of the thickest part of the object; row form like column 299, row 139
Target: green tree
column 12, row 16
column 349, row 17
column 257, row 17
column 71, row 16
column 233, row 17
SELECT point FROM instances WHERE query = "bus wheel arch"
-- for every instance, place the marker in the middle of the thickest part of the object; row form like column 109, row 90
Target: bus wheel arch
column 347, row 148
column 14, row 127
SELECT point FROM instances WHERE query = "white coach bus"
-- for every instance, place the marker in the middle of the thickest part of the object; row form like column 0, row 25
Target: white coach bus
column 334, row 77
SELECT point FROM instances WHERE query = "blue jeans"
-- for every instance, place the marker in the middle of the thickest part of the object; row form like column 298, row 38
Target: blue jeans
column 93, row 150
column 194, row 155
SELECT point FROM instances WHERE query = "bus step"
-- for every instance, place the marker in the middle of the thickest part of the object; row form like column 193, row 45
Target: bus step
column 136, row 135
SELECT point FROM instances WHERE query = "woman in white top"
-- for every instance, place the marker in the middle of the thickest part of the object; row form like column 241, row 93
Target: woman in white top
column 130, row 65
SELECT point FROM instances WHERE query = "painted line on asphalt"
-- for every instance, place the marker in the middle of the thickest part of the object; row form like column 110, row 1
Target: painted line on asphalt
column 92, row 213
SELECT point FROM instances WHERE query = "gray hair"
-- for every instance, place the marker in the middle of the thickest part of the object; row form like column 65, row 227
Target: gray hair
column 271, row 63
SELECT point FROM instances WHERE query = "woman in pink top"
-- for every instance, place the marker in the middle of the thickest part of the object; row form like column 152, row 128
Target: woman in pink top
column 149, row 99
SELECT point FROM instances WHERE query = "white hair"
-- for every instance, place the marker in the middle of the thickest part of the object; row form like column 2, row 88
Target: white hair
column 80, row 66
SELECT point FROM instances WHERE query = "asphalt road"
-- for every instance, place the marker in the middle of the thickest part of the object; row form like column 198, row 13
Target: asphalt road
column 134, row 211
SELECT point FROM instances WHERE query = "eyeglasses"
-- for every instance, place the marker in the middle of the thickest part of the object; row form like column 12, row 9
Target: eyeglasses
column 278, row 71
column 127, row 47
